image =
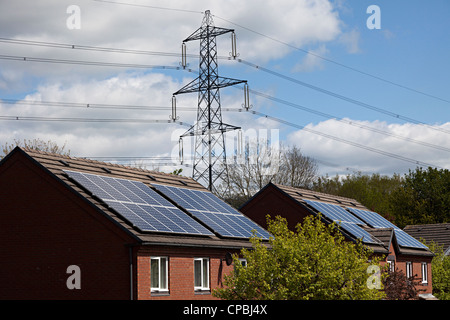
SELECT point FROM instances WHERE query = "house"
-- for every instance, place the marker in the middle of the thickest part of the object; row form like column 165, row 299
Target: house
column 74, row 228
column 439, row 233
column 398, row 249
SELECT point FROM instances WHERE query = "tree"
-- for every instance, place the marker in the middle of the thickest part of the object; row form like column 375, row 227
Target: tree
column 422, row 198
column 296, row 169
column 315, row 262
column 398, row 287
column 440, row 266
column 35, row 144
column 262, row 164
column 373, row 191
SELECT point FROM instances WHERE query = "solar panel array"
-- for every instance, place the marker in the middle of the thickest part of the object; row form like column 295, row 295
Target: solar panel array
column 352, row 218
column 377, row 221
column 345, row 220
column 372, row 218
column 215, row 213
column 141, row 206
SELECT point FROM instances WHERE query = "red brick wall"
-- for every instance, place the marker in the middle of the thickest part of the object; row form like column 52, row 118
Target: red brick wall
column 181, row 271
column 273, row 202
column 45, row 229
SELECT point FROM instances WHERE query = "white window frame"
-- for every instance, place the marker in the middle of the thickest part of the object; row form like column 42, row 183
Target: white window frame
column 391, row 265
column 409, row 269
column 204, row 274
column 243, row 262
column 163, row 263
column 424, row 273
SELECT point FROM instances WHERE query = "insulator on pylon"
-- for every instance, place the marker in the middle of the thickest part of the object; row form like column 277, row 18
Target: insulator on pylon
column 246, row 97
column 233, row 45
column 239, row 144
column 183, row 55
column 180, row 150
column 174, row 117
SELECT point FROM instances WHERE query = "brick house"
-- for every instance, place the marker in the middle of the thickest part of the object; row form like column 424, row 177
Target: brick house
column 60, row 240
column 399, row 250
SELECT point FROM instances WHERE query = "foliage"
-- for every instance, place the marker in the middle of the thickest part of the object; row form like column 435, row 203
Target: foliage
column 35, row 144
column 398, row 287
column 440, row 266
column 423, row 198
column 374, row 191
column 315, row 262
column 177, row 172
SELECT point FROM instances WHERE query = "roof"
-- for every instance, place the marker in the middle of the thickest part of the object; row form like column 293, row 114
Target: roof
column 55, row 164
column 439, row 233
column 383, row 237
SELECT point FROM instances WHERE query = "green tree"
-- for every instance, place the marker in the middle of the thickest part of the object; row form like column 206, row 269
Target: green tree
column 422, row 198
column 373, row 191
column 315, row 262
column 440, row 266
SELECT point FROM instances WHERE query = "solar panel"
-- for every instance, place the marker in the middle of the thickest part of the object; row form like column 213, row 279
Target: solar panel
column 406, row 240
column 217, row 214
column 344, row 219
column 372, row 218
column 334, row 212
column 377, row 221
column 141, row 206
column 357, row 232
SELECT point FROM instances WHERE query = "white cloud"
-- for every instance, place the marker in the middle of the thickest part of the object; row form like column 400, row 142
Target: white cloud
column 295, row 22
column 338, row 157
column 313, row 61
column 350, row 40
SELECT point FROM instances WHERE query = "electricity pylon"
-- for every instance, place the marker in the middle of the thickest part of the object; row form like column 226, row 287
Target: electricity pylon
column 209, row 164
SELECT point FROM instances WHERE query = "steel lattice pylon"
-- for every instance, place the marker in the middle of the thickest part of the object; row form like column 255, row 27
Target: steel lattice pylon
column 209, row 155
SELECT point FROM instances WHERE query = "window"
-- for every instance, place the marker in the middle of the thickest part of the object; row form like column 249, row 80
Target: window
column 409, row 273
column 243, row 262
column 391, row 265
column 424, row 272
column 201, row 274
column 159, row 274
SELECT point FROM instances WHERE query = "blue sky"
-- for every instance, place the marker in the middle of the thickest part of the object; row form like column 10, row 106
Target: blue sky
column 411, row 49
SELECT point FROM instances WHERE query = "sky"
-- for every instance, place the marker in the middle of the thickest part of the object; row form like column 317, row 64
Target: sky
column 353, row 97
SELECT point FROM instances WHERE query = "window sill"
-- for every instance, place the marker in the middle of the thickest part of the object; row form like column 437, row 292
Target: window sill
column 202, row 291
column 159, row 293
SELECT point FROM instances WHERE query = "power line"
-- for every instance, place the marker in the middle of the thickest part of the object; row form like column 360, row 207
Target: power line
column 150, row 7
column 103, row 120
column 328, row 136
column 90, row 48
column 335, row 62
column 338, row 96
column 278, row 100
column 352, row 123
column 250, row 64
column 90, row 63
column 91, row 105
column 289, row 46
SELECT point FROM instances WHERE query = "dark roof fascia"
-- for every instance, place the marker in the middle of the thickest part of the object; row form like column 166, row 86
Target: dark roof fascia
column 197, row 245
column 76, row 193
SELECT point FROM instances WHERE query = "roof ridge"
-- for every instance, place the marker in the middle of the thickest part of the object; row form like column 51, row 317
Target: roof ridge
column 318, row 193
column 97, row 162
